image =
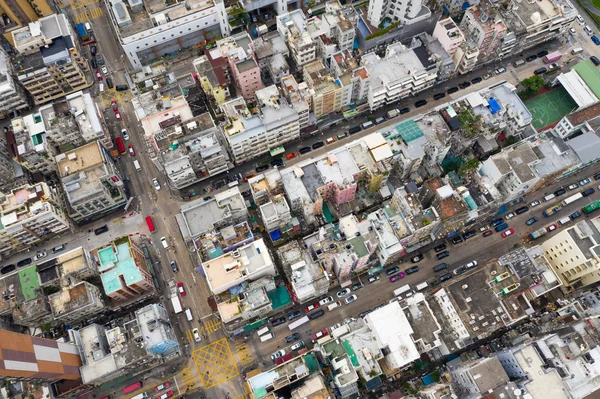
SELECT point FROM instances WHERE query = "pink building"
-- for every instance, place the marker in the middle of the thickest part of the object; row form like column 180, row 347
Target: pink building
column 245, row 72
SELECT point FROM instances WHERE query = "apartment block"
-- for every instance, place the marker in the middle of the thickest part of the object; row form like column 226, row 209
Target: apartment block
column 76, row 302
column 12, row 95
column 402, row 73
column 149, row 29
column 333, row 30
column 50, row 63
column 272, row 54
column 250, row 133
column 268, row 194
column 239, row 51
column 355, row 78
column 92, row 186
column 403, row 11
column 213, row 83
column 449, row 35
column 28, row 357
column 124, row 270
column 479, row 376
column 12, row 174
column 297, row 95
column 308, row 279
column 30, row 215
column 326, row 92
column 292, row 26
column 34, row 152
column 19, row 13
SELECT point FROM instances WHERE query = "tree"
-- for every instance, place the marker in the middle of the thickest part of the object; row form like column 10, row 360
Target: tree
column 472, row 163
column 469, row 122
column 533, row 84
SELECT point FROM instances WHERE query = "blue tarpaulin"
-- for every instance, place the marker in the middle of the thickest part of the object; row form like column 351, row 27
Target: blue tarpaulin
column 466, row 5
column 494, row 106
column 275, row 235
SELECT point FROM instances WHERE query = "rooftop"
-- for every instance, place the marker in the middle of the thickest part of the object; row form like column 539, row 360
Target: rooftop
column 70, row 299
column 24, row 203
column 426, row 329
column 118, row 267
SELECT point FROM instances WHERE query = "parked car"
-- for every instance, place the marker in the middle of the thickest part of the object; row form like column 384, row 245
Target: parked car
column 437, row 96
column 572, row 186
column 162, row 386
column 101, row 230
column 296, row 346
column 535, row 203
column 417, row 258
column 531, row 221
column 392, row 270
column 464, row 85
column 469, row 234
column 420, row 103
column 508, row 232
column 542, row 53
column 559, row 192
column 356, row 286
column 396, row 277
column 292, row 338
column 552, row 227
column 278, row 321
column 343, row 293
column 443, row 255
column 445, row 277
column 325, row 301
column 476, row 80
column 278, row 354
column 24, row 262
column 500, row 70
column 595, row 40
column 412, row 270
column 457, row 239
column 98, row 75
column 509, row 216
column 440, row 247
column 320, row 334
column 405, row 110
column 350, row 299
column 522, row 210
column 40, row 255
column 496, row 222
column 372, row 279
column 595, row 60
column 585, row 181
column 488, row 233
column 294, row 315
column 531, row 58
column 318, row 144
column 304, row 150
column 291, row 155
column 452, row 90
column 311, row 307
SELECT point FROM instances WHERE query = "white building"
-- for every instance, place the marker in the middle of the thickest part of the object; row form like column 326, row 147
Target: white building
column 479, row 376
column 292, row 26
column 12, row 95
column 252, row 134
column 403, row 72
column 403, row 11
column 389, row 245
column 150, row 28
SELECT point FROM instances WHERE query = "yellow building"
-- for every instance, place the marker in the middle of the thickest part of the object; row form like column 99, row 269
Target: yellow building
column 21, row 13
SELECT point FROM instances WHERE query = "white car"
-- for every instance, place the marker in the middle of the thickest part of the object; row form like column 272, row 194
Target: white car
column 104, row 69
column 125, row 134
column 156, row 184
column 196, row 335
column 500, row 70
column 471, row 264
column 40, row 255
column 325, row 301
column 164, row 242
column 277, row 354
column 572, row 31
column 343, row 293
column 585, row 181
column 572, row 186
column 350, row 299
column 510, row 215
column 535, row 203
column 580, row 20
column 372, row 279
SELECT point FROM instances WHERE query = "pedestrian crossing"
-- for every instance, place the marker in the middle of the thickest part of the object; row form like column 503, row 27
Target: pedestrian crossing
column 212, row 325
column 187, row 376
column 88, row 15
column 189, row 336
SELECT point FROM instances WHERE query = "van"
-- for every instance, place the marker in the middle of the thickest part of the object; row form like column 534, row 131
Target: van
column 101, row 87
column 266, row 337
column 164, row 242
column 422, row 286
column 564, row 221
column 588, row 30
column 540, row 71
column 354, row 129
column 136, row 163
column 121, row 87
column 367, row 125
column 577, row 50
column 88, row 26
column 263, row 331
column 518, row 63
column 188, row 314
column 440, row 267
column 549, row 197
column 334, row 305
column 379, row 120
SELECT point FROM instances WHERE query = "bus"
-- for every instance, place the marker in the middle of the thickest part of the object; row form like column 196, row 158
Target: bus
column 120, row 145
column 401, row 290
column 298, row 323
column 572, row 199
column 132, row 387
column 594, row 206
column 150, row 224
column 553, row 56
column 552, row 210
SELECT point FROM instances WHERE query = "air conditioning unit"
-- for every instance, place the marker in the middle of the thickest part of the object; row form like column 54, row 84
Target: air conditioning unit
column 236, row 254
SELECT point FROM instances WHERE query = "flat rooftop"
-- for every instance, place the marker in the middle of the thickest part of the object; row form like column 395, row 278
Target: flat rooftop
column 69, row 299
column 117, row 267
column 201, row 216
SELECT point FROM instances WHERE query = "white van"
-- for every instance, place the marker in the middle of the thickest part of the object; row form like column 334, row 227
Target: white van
column 577, row 50
column 88, row 26
column 263, row 331
column 101, row 87
column 188, row 314
column 266, row 337
column 164, row 242
column 334, row 305
column 422, row 286
column 136, row 163
column 588, row 30
column 367, row 125
column 518, row 63
column 564, row 221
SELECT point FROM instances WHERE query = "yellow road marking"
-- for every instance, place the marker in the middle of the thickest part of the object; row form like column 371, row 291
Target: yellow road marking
column 189, row 336
column 244, row 356
column 212, row 325
column 215, row 364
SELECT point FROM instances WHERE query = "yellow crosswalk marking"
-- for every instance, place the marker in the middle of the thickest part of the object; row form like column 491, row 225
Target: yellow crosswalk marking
column 189, row 336
column 95, row 13
column 244, row 356
column 212, row 325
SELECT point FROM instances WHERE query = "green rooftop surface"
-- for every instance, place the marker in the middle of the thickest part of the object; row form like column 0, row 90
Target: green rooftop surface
column 311, row 362
column 279, row 297
column 590, row 75
column 29, row 282
column 116, row 265
column 358, row 244
column 351, row 353
column 409, row 131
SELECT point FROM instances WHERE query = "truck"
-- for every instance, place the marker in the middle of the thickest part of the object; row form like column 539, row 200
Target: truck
column 176, row 304
column 538, row 233
column 262, row 29
column 392, row 113
column 552, row 57
column 82, row 32
column 593, row 207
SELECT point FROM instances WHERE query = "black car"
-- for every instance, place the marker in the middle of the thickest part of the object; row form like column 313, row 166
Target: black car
column 457, row 239
column 109, row 83
column 278, row 321
column 440, row 267
column 304, row 150
column 24, row 262
column 356, row 287
column 174, row 266
column 597, row 176
column 443, row 255
column 595, row 60
column 440, row 247
column 292, row 338
column 445, row 277
column 404, row 110
column 354, row 129
column 420, row 103
column 469, row 234
column 417, row 258
column 531, row 221
column 531, row 58
column 363, row 314
column 101, row 230
column 94, row 63
column 391, row 271
column 277, row 162
column 316, row 314
column 318, row 144
column 220, row 183
column 121, row 87
column 587, row 192
column 540, row 71
column 93, row 50
column 294, row 315
column 439, row 95
column 464, row 85
column 521, row 210
column 476, row 80
column 7, row 269
column 562, row 191
column 452, row 90
column 412, row 270
column 261, row 168
column 542, row 53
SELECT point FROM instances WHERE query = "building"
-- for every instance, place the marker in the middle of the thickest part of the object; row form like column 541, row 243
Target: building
column 33, row 358
column 308, row 279
column 334, row 30
column 149, row 29
column 50, row 63
column 12, row 95
column 30, row 215
column 402, row 73
column 272, row 54
column 76, row 302
column 268, row 195
column 395, row 11
column 247, row 263
column 32, row 149
column 84, row 111
column 124, row 270
column 92, row 186
column 355, row 79
column 12, row 174
column 271, row 124
column 243, row 66
column 478, row 376
column 292, row 26
column 213, row 83
column 141, row 343
column 18, row 13
column 326, row 92
column 449, row 35
column 579, row 120
column 572, row 255
column 487, row 33
column 298, row 96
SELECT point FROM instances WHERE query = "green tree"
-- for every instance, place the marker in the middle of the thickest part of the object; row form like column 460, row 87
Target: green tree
column 469, row 122
column 533, row 84
column 472, row 163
